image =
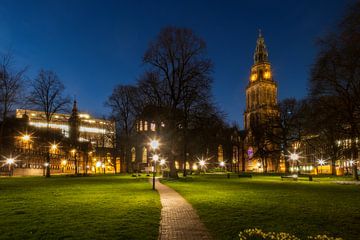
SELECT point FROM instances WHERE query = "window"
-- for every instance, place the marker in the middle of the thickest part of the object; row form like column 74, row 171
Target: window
column 145, row 126
column 141, row 126
column 144, row 155
column 153, row 127
column 235, row 154
column 220, row 153
column 133, row 154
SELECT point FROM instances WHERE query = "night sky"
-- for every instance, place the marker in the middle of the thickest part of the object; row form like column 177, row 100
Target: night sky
column 95, row 45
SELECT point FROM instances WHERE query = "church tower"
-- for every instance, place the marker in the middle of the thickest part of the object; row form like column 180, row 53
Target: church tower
column 74, row 125
column 261, row 92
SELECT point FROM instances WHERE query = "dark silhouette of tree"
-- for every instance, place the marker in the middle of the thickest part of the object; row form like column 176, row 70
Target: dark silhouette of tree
column 336, row 74
column 47, row 95
column 285, row 129
column 178, row 60
column 122, row 103
column 11, row 88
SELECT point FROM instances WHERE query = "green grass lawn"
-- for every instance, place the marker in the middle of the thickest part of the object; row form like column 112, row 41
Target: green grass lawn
column 106, row 207
column 228, row 206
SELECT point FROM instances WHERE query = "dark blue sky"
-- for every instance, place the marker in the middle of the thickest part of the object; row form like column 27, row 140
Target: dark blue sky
column 94, row 45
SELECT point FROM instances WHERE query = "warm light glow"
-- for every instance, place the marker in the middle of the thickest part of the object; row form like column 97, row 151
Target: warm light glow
column 154, row 144
column 321, row 162
column 98, row 164
column 202, row 163
column 63, row 162
column 73, row 151
column 53, row 147
column 267, row 75
column 195, row 167
column 294, row 156
column 155, row 157
column 253, row 77
column 46, row 164
column 26, row 138
column 84, row 115
column 222, row 164
column 162, row 162
column 10, row 161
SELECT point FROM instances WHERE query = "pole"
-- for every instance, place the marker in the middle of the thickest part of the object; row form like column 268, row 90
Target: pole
column 154, row 172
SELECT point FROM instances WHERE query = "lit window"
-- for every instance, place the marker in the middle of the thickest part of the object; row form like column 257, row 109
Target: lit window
column 141, row 126
column 253, row 77
column 220, row 153
column 267, row 75
column 152, row 127
column 133, row 154
column 145, row 126
column 144, row 155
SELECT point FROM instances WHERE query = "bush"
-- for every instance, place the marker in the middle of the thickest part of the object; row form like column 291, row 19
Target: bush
column 258, row 234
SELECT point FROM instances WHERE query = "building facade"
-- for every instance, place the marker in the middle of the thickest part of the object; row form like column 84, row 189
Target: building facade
column 76, row 143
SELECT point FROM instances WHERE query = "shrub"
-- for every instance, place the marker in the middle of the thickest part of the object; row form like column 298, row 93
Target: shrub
column 258, row 234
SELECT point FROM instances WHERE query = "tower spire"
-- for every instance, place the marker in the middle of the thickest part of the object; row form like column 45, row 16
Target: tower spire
column 261, row 54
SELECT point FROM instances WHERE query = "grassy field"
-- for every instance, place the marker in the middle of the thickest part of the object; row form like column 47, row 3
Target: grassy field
column 106, row 207
column 227, row 206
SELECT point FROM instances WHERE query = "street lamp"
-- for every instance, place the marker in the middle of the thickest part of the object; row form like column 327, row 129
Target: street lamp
column 10, row 161
column 321, row 162
column 63, row 163
column 26, row 139
column 294, row 157
column 202, row 164
column 222, row 165
column 154, row 144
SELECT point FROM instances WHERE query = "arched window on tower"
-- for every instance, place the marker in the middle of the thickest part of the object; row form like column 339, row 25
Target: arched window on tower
column 235, row 157
column 144, row 155
column 141, row 126
column 220, row 153
column 133, row 154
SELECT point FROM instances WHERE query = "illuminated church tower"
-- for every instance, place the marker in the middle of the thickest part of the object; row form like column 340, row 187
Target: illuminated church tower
column 261, row 92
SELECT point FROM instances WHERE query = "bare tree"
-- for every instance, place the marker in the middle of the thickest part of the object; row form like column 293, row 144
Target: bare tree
column 11, row 86
column 123, row 107
column 336, row 74
column 47, row 95
column 178, row 58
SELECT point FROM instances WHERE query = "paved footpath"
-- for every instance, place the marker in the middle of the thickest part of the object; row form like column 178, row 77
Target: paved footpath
column 178, row 218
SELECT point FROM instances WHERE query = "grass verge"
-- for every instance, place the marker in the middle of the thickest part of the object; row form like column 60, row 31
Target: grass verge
column 97, row 207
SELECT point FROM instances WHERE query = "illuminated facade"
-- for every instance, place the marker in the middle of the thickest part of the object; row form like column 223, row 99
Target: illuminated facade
column 261, row 102
column 77, row 143
column 92, row 130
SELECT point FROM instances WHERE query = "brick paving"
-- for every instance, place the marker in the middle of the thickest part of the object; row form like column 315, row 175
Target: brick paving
column 179, row 220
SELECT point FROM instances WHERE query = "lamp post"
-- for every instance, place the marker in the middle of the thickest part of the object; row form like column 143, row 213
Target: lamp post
column 321, row 162
column 63, row 163
column 202, row 164
column 295, row 158
column 222, row 165
column 154, row 144
column 10, row 161
column 26, row 138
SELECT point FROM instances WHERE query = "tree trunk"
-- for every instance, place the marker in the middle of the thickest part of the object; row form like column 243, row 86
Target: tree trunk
column 47, row 164
column 76, row 164
column 333, row 167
